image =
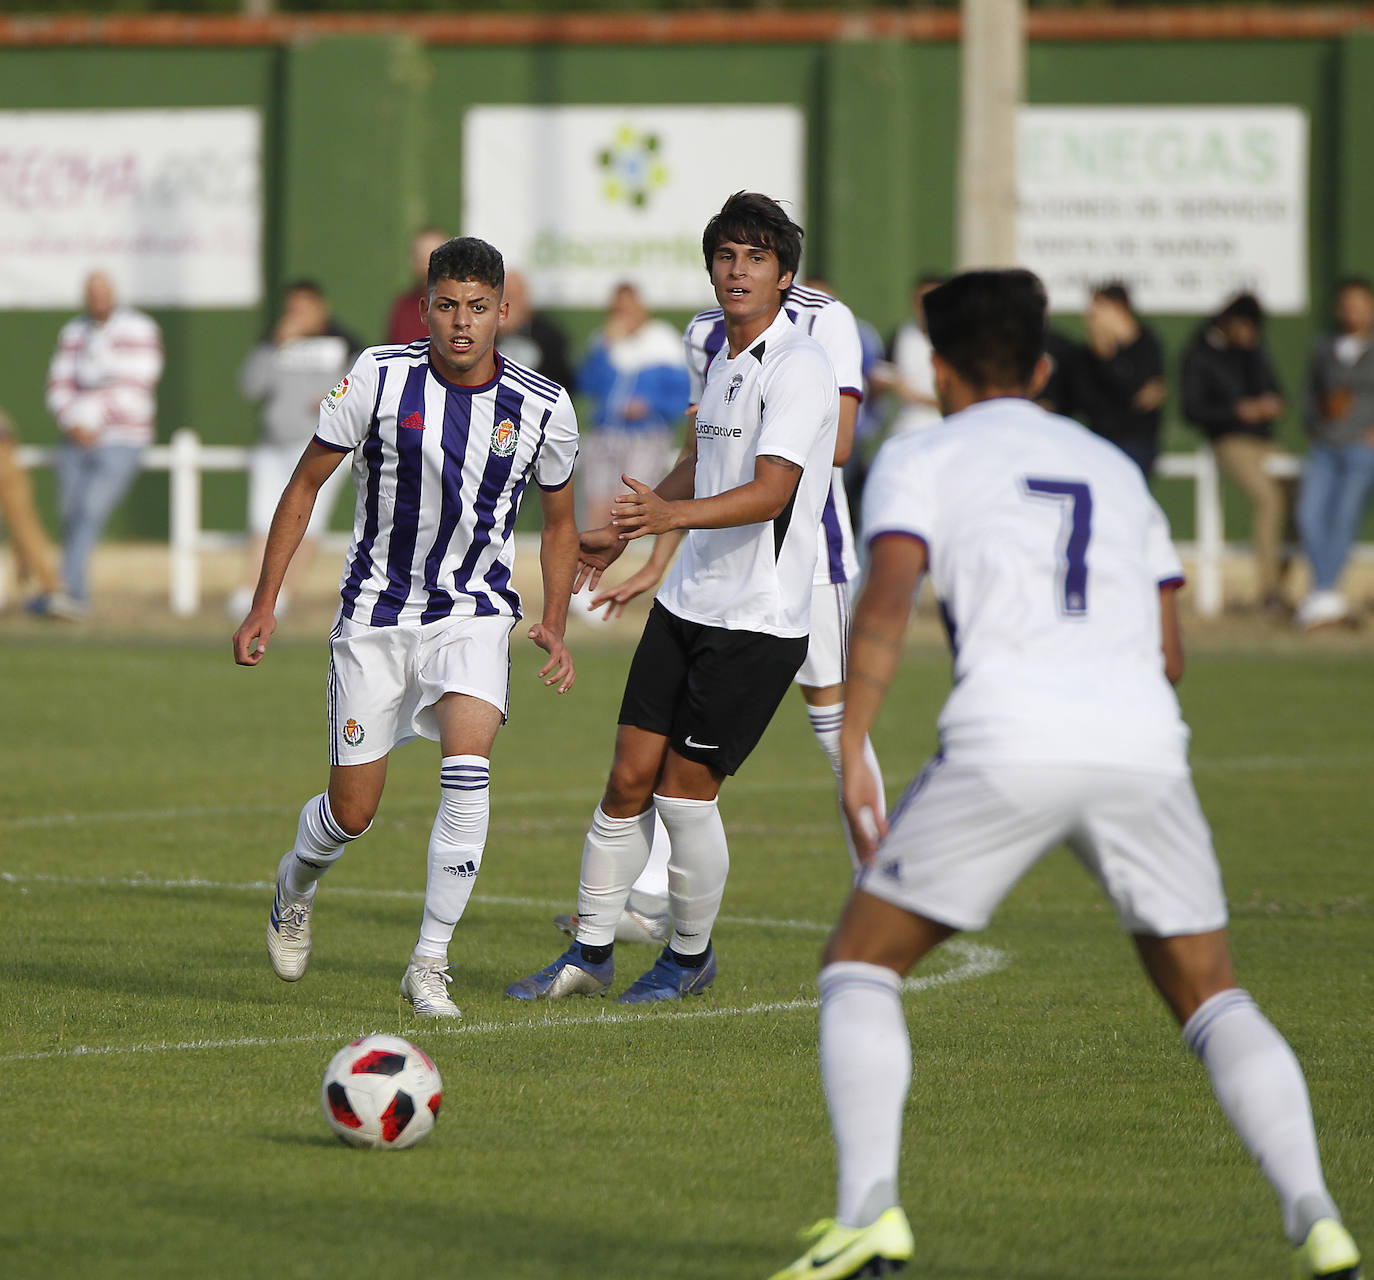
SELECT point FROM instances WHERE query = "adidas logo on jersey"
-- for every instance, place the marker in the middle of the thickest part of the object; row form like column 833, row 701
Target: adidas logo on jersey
column 462, row 869
column 414, row 423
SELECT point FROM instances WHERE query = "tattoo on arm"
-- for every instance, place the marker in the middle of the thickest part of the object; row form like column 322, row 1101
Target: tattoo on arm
column 779, row 462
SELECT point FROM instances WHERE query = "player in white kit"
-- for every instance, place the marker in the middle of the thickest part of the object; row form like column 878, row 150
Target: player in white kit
column 728, row 629
column 445, row 436
column 1055, row 574
column 821, row 679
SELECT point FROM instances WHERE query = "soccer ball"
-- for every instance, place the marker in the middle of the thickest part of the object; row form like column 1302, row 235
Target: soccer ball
column 381, row 1091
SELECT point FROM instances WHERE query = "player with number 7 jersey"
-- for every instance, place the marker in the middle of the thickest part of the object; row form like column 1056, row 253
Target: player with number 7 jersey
column 1056, row 578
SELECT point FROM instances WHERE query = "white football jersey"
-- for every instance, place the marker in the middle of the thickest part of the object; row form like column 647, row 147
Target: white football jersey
column 777, row 397
column 1046, row 553
column 832, row 324
column 439, row 471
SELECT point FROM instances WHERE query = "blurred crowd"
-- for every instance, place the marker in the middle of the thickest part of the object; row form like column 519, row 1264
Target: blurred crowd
column 631, row 381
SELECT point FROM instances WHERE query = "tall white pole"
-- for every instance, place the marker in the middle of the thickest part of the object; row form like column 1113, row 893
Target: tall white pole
column 993, row 87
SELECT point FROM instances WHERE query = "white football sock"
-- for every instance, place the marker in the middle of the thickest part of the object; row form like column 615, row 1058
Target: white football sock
column 825, row 724
column 613, row 854
column 652, row 884
column 319, row 843
column 456, row 842
column 1261, row 1088
column 698, row 864
column 866, row 1070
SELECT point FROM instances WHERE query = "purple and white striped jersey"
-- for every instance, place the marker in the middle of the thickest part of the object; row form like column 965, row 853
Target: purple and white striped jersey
column 439, row 471
column 832, row 324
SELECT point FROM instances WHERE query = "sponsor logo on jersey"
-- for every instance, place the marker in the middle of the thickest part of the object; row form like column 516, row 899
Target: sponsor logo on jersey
column 706, row 430
column 733, row 389
column 331, row 402
column 505, row 435
column 414, row 422
column 353, row 732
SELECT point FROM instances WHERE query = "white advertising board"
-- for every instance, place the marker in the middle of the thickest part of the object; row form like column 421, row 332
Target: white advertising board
column 1186, row 205
column 582, row 197
column 169, row 203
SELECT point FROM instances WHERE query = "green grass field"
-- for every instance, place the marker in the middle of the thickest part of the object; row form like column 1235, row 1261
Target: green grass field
column 160, row 1086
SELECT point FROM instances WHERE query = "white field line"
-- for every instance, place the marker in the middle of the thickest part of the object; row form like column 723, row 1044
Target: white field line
column 586, row 796
column 345, row 891
column 973, row 960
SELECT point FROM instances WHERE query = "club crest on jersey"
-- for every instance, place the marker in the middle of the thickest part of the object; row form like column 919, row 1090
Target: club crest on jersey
column 330, row 403
column 733, row 389
column 505, row 435
column 353, row 732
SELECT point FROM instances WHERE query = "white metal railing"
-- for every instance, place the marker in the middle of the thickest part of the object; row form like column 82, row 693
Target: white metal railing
column 186, row 459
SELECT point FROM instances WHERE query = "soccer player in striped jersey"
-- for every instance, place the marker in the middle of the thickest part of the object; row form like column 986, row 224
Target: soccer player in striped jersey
column 445, row 436
column 1056, row 578
column 821, row 679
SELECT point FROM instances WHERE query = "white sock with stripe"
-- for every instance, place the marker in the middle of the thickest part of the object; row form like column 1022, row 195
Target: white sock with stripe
column 866, row 1071
column 456, row 842
column 319, row 843
column 613, row 854
column 698, row 864
column 1262, row 1090
column 825, row 724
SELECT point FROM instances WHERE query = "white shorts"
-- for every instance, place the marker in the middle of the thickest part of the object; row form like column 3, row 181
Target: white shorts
column 964, row 834
column 384, row 681
column 269, row 468
column 827, row 651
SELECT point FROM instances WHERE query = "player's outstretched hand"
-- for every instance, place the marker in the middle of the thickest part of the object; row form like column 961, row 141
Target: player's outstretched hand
column 862, row 794
column 597, row 550
column 250, row 640
column 559, row 668
column 616, row 598
column 641, row 511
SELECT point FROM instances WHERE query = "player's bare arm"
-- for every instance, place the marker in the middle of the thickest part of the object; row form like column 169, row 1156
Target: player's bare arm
column 875, row 648
column 288, row 527
column 1172, row 635
column 844, row 435
column 763, row 498
column 558, row 549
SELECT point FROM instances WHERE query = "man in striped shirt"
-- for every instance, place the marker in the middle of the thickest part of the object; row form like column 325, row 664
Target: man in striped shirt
column 102, row 391
column 445, row 435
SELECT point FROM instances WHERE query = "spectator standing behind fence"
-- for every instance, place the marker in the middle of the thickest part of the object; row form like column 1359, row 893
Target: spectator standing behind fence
column 1338, row 412
column 908, row 374
column 1232, row 395
column 531, row 338
column 404, row 325
column 636, row 373
column 1120, row 377
column 102, row 390
column 287, row 375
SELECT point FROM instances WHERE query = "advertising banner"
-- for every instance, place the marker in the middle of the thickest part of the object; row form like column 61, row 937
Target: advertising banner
column 169, row 203
column 582, row 197
column 1186, row 205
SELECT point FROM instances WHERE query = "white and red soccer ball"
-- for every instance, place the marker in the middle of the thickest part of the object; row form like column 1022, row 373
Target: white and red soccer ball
column 381, row 1091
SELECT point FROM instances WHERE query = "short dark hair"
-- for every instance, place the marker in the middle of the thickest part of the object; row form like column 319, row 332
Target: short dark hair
column 305, row 286
column 1353, row 282
column 1244, row 306
column 1115, row 291
column 467, row 258
column 749, row 218
column 989, row 326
